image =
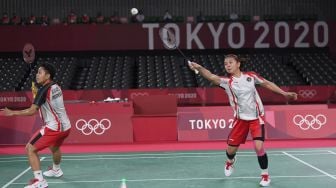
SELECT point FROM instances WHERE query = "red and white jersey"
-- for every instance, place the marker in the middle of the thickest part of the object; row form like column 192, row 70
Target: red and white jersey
column 243, row 95
column 50, row 100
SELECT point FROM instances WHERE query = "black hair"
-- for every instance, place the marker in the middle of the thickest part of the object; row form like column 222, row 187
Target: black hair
column 237, row 58
column 50, row 68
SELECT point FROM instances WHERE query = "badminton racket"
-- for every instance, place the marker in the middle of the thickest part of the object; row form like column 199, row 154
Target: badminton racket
column 169, row 42
column 28, row 54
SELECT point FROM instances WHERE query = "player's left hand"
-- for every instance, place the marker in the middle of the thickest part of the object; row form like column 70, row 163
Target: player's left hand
column 193, row 65
column 7, row 112
column 291, row 95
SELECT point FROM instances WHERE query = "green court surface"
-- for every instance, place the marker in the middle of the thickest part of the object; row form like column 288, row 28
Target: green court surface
column 294, row 168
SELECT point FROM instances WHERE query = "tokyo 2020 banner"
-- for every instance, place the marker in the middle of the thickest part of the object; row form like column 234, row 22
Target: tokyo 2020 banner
column 224, row 35
column 291, row 122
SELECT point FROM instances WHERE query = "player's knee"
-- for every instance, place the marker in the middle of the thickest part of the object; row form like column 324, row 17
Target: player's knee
column 258, row 147
column 30, row 148
column 259, row 150
column 54, row 149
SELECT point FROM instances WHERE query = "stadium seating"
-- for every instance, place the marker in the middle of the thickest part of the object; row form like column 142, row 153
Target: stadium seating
column 12, row 72
column 166, row 71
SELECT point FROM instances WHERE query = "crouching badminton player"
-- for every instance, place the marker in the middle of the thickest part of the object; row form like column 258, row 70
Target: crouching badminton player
column 49, row 101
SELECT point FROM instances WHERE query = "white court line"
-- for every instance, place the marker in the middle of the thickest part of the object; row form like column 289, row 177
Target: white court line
column 195, row 153
column 18, row 176
column 311, row 166
column 332, row 152
column 176, row 179
column 114, row 157
column 175, row 153
column 165, row 157
column 8, row 161
column 173, row 157
column 21, row 157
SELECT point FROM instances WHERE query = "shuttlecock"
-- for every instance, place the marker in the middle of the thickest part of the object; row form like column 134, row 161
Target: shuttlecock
column 134, row 11
column 123, row 183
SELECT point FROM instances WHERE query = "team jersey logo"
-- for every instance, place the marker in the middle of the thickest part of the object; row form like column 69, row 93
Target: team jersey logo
column 249, row 79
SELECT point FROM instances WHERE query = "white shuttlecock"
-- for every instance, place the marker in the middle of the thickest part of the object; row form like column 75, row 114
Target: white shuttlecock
column 134, row 11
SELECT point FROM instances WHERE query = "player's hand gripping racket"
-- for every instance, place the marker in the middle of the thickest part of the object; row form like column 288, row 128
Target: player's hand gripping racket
column 169, row 41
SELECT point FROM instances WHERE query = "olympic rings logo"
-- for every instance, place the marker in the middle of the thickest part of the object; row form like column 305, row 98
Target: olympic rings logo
column 306, row 93
column 93, row 126
column 139, row 94
column 310, row 121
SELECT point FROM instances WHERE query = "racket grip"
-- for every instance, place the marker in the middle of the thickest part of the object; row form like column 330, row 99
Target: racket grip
column 196, row 71
column 34, row 89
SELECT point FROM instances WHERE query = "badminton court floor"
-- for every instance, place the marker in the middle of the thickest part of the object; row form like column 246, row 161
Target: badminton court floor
column 309, row 168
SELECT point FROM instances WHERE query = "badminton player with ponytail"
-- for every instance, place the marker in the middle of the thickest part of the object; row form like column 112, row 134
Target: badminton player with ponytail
column 49, row 101
column 248, row 110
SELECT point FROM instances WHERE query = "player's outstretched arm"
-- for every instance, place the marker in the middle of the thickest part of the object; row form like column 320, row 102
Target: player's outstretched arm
column 276, row 89
column 205, row 73
column 26, row 112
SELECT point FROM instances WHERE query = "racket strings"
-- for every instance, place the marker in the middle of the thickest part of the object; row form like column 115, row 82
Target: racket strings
column 168, row 39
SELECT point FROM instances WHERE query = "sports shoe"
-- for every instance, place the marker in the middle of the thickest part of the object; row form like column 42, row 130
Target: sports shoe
column 53, row 173
column 35, row 183
column 265, row 180
column 228, row 169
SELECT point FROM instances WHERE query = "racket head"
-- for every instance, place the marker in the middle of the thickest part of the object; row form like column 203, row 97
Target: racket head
column 168, row 38
column 28, row 53
column 170, row 42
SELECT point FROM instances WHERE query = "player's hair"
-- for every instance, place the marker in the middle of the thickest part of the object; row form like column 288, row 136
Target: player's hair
column 237, row 58
column 50, row 68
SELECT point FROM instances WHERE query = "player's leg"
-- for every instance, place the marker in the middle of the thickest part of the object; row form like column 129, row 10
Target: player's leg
column 36, row 144
column 34, row 161
column 55, row 170
column 258, row 134
column 236, row 137
column 231, row 159
column 263, row 162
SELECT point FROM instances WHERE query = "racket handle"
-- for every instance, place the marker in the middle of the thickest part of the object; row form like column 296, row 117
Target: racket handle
column 196, row 71
column 34, row 89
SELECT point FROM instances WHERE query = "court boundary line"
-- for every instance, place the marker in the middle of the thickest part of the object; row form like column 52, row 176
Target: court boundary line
column 176, row 179
column 178, row 153
column 332, row 152
column 170, row 156
column 88, row 158
column 311, row 166
column 18, row 176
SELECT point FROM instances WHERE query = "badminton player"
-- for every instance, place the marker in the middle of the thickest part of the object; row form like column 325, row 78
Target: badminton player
column 49, row 101
column 248, row 110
